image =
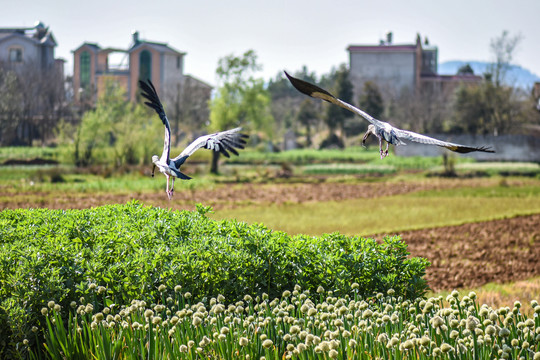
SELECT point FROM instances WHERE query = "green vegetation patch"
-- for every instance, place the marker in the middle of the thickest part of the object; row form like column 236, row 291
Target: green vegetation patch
column 29, row 152
column 297, row 325
column 348, row 169
column 391, row 214
column 132, row 250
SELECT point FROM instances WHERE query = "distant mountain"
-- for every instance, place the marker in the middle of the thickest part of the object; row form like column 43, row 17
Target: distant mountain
column 516, row 76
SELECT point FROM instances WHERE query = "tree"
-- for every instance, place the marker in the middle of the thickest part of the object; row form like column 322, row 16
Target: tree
column 492, row 107
column 335, row 116
column 117, row 132
column 503, row 49
column 487, row 109
column 371, row 100
column 465, row 70
column 187, row 107
column 286, row 100
column 307, row 116
column 35, row 102
column 10, row 106
column 241, row 99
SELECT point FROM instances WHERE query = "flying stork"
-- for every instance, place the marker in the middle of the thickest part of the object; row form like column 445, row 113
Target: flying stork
column 223, row 142
column 385, row 132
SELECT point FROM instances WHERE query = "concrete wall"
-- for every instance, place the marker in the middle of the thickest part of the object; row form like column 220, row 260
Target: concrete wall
column 30, row 51
column 507, row 147
column 395, row 70
column 172, row 76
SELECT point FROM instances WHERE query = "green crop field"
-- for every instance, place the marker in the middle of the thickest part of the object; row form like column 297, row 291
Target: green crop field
column 393, row 213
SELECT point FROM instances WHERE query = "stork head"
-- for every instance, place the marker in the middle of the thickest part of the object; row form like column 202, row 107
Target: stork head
column 370, row 130
column 155, row 159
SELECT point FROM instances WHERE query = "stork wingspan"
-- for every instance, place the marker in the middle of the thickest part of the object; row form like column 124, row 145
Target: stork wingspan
column 223, row 142
column 423, row 139
column 319, row 93
column 149, row 92
column 383, row 130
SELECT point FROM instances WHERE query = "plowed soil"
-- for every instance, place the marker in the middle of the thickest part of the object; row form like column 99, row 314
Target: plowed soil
column 474, row 254
column 234, row 195
column 468, row 255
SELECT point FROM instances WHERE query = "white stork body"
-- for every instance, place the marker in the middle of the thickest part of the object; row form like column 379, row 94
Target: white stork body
column 223, row 142
column 385, row 132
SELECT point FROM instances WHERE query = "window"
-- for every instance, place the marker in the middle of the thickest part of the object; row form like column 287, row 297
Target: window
column 85, row 69
column 15, row 55
column 145, row 65
column 178, row 62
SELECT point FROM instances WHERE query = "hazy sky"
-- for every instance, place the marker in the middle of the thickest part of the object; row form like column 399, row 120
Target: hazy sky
column 286, row 34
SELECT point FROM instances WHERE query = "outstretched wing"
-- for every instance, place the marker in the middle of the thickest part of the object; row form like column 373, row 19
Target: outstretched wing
column 224, row 142
column 149, row 93
column 423, row 139
column 319, row 93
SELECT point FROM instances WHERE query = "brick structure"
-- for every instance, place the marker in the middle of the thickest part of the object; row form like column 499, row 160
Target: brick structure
column 163, row 65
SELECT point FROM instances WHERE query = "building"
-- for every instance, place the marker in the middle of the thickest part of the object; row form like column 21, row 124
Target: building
column 162, row 64
column 398, row 68
column 32, row 47
column 28, row 53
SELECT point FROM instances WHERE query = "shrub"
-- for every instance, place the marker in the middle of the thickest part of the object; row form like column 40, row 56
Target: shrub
column 131, row 250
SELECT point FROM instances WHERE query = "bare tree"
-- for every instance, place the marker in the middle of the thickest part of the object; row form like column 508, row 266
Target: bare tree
column 10, row 106
column 188, row 109
column 424, row 111
column 37, row 95
column 503, row 49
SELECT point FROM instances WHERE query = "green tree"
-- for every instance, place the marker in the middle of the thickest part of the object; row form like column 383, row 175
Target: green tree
column 465, row 70
column 117, row 132
column 286, row 100
column 241, row 98
column 307, row 117
column 487, row 109
column 492, row 107
column 371, row 100
column 335, row 116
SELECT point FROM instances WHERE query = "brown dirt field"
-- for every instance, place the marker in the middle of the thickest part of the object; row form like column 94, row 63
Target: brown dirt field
column 468, row 255
column 234, row 195
column 475, row 254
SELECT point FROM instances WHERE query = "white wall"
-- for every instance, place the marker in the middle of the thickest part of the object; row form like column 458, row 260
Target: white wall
column 507, row 147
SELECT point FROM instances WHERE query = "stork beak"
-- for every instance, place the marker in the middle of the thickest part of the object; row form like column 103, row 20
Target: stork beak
column 153, row 169
column 365, row 138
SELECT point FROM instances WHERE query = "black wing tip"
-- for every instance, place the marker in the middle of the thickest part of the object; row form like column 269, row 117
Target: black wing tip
column 467, row 149
column 149, row 92
column 486, row 149
column 147, row 86
column 306, row 87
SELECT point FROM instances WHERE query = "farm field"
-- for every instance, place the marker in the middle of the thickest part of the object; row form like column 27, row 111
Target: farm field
column 479, row 231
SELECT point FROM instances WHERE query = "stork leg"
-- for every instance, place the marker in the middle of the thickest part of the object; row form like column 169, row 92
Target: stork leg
column 380, row 148
column 172, row 185
column 386, row 151
column 169, row 193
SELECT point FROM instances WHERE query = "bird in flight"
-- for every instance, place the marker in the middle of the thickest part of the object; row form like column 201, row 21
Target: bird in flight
column 385, row 132
column 223, row 142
